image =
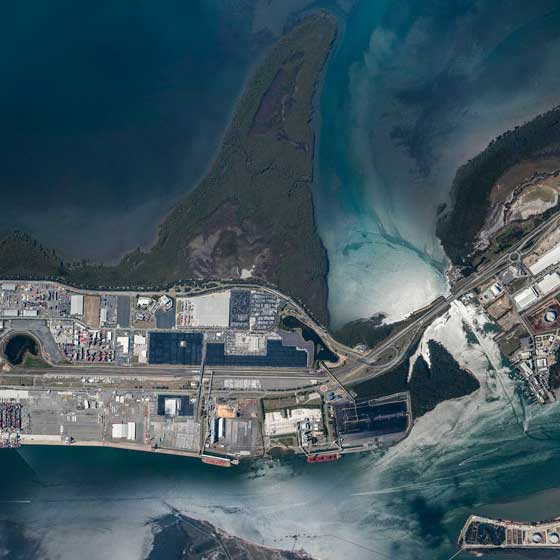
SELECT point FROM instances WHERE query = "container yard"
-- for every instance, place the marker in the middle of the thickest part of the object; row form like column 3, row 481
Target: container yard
column 232, row 328
column 210, row 376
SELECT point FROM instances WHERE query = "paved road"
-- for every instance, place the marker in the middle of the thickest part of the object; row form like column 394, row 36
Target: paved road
column 367, row 364
column 168, row 371
column 358, row 366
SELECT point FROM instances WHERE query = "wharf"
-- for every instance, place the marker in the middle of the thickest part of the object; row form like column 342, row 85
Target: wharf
column 483, row 533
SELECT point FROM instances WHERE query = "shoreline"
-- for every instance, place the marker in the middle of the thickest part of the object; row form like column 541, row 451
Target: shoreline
column 177, row 526
column 37, row 441
column 147, row 246
column 205, row 235
column 245, row 85
column 316, row 126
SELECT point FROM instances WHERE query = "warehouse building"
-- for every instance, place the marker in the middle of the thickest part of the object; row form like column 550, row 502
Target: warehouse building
column 525, row 298
column 175, row 348
column 174, row 405
column 549, row 283
column 77, row 305
column 548, row 259
column 277, row 355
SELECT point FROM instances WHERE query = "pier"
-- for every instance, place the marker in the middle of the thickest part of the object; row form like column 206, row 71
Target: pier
column 482, row 533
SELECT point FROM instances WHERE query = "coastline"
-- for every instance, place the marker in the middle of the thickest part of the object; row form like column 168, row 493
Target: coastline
column 460, row 223
column 223, row 225
column 202, row 539
column 41, row 441
column 316, row 126
column 245, row 85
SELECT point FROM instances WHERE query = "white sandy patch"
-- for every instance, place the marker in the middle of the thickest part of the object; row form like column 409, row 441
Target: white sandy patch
column 247, row 272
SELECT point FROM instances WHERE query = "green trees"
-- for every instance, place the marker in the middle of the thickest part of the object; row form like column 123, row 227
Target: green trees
column 473, row 182
column 430, row 385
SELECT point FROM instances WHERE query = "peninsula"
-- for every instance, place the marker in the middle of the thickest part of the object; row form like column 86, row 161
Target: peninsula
column 252, row 216
column 180, row 536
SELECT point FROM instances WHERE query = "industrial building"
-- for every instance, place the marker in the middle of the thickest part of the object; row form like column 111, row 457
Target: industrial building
column 277, row 355
column 549, row 282
column 525, row 298
column 174, row 405
column 548, row 259
column 355, row 421
column 175, row 348
column 76, row 305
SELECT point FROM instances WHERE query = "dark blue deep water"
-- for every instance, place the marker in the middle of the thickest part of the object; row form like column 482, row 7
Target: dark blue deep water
column 111, row 110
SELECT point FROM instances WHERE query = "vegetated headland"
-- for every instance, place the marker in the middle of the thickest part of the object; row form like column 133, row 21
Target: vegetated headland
column 252, row 215
column 480, row 224
column 458, row 228
column 429, row 385
column 371, row 332
column 179, row 536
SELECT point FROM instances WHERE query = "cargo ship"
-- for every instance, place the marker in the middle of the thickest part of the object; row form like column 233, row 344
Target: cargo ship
column 218, row 461
column 323, row 458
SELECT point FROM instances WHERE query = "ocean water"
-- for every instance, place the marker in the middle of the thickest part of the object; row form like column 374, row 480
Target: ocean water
column 111, row 111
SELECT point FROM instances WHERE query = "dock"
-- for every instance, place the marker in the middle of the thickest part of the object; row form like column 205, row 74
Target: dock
column 483, row 533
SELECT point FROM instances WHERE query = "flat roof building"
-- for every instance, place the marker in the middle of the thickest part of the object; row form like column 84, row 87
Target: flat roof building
column 549, row 283
column 119, row 430
column 175, row 348
column 549, row 258
column 277, row 355
column 124, row 342
column 174, row 405
column 76, row 304
column 525, row 298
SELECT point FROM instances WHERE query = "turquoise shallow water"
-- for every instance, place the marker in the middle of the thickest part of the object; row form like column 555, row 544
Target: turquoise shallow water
column 413, row 90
